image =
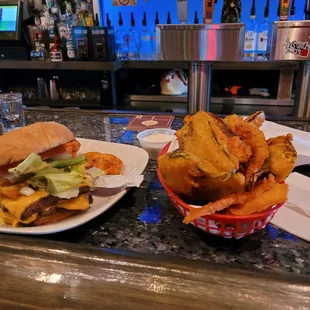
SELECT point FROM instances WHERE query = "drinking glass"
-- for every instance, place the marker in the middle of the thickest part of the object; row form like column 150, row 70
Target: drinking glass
column 11, row 111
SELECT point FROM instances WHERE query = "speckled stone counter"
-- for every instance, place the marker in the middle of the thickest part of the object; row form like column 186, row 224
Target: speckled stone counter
column 122, row 226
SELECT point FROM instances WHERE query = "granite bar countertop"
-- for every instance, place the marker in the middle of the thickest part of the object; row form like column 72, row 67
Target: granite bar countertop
column 123, row 226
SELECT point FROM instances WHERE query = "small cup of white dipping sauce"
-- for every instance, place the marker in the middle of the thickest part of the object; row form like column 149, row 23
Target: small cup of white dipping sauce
column 154, row 140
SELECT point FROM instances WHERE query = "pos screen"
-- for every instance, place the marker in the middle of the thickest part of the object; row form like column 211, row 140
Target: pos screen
column 8, row 18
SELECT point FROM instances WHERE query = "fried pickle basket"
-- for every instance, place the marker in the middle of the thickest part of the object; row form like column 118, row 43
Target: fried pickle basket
column 227, row 226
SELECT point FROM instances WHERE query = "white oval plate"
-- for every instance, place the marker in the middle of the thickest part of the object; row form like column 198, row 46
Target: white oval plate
column 135, row 160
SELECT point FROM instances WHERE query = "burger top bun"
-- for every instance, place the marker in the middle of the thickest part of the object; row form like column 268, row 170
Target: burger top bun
column 37, row 138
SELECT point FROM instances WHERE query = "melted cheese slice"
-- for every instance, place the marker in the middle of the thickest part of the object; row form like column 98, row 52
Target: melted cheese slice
column 11, row 219
column 17, row 206
column 79, row 203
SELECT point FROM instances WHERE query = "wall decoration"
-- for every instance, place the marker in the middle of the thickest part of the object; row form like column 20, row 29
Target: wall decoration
column 124, row 2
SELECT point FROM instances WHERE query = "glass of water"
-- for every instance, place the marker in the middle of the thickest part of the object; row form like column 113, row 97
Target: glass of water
column 11, row 111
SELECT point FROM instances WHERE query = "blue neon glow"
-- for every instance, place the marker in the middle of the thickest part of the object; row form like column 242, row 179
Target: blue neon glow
column 165, row 6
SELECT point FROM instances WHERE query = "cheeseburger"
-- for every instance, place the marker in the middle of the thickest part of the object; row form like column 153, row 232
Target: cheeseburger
column 42, row 180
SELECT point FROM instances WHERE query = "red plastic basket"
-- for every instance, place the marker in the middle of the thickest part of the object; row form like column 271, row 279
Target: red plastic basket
column 227, row 226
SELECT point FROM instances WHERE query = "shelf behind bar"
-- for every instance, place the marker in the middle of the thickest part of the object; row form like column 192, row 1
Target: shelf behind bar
column 225, row 65
column 140, row 64
column 64, row 65
column 216, row 100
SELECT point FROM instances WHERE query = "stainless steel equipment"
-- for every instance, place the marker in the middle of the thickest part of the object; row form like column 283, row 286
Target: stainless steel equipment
column 290, row 40
column 302, row 106
column 42, row 92
column 214, row 42
column 200, row 43
column 54, row 89
column 199, row 86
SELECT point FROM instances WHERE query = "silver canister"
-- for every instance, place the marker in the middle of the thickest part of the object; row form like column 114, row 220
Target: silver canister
column 42, row 93
column 54, row 88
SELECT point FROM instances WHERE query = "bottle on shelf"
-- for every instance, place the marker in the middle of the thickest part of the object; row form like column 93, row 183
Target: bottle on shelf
column 250, row 42
column 69, row 44
column 120, row 41
column 145, row 41
column 96, row 21
column 85, row 18
column 108, row 20
column 133, row 46
column 62, row 29
column 153, row 38
column 307, row 11
column 292, row 11
column 263, row 35
column 57, row 51
column 196, row 20
column 168, row 19
column 38, row 52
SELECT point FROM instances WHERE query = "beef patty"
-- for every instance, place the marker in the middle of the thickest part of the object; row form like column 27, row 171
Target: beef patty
column 45, row 203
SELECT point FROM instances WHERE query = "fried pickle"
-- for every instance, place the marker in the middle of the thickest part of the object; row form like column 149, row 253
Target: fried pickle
column 109, row 163
column 180, row 170
column 228, row 201
column 203, row 138
column 282, row 158
column 212, row 189
column 203, row 157
column 253, row 137
column 235, row 145
column 274, row 195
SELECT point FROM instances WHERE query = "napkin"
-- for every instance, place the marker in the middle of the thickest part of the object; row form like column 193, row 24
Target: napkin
column 294, row 216
column 301, row 139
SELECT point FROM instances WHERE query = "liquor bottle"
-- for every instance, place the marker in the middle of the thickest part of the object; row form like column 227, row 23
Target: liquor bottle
column 69, row 44
column 168, row 19
column 62, row 30
column 96, row 22
column 262, row 42
column 85, row 18
column 231, row 11
column 307, row 10
column 250, row 41
column 133, row 47
column 196, row 20
column 292, row 11
column 108, row 20
column 145, row 41
column 120, row 42
column 57, row 51
column 39, row 52
column 153, row 38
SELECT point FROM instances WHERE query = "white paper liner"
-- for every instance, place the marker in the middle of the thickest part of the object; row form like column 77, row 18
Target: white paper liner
column 117, row 181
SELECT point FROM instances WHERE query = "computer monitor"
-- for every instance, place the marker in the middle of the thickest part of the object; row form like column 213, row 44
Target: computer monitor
column 10, row 19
